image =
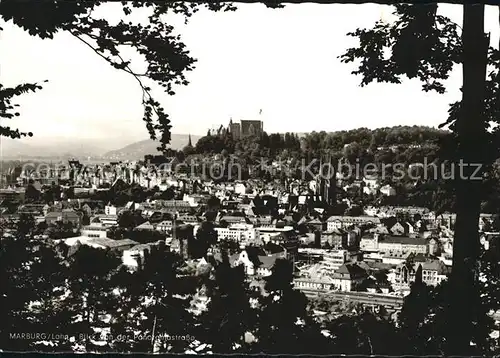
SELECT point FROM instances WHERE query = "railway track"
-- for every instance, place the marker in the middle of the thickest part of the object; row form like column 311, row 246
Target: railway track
column 389, row 301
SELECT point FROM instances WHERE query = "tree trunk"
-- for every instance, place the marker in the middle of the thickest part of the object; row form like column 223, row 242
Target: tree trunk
column 471, row 139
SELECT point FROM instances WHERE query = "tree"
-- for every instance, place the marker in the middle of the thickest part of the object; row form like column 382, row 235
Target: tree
column 6, row 107
column 32, row 194
column 168, row 194
column 229, row 314
column 364, row 334
column 188, row 150
column 166, row 56
column 425, row 45
column 130, row 219
column 213, row 203
column 16, row 290
column 206, row 236
column 155, row 306
column 284, row 323
column 60, row 230
column 91, row 299
column 48, row 274
column 32, row 279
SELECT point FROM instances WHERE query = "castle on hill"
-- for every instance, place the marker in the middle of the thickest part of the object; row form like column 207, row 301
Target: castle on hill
column 246, row 128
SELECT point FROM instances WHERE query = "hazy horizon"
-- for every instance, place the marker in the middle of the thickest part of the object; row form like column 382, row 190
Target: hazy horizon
column 287, row 66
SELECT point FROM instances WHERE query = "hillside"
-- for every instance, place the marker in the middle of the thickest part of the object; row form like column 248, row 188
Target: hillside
column 139, row 149
column 27, row 148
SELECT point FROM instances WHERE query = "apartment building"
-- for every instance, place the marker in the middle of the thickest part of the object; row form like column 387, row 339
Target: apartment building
column 334, row 259
column 339, row 222
column 95, row 230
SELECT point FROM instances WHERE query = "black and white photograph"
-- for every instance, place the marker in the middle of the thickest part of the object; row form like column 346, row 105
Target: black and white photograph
column 250, row 178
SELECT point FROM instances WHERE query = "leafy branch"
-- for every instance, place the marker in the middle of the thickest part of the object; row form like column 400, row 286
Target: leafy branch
column 419, row 44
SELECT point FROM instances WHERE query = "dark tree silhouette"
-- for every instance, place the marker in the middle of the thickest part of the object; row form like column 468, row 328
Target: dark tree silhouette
column 229, row 314
column 6, row 107
column 154, row 305
column 206, row 236
column 284, row 323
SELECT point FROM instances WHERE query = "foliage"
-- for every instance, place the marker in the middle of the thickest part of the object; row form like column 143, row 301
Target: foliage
column 284, row 323
column 422, row 44
column 166, row 56
column 6, row 107
column 206, row 236
column 229, row 314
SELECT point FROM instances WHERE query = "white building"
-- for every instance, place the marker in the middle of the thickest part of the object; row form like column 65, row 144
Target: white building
column 240, row 189
column 348, row 277
column 334, row 259
column 236, row 233
column 371, row 183
column 388, row 190
column 262, row 269
column 95, row 230
column 134, row 255
column 339, row 222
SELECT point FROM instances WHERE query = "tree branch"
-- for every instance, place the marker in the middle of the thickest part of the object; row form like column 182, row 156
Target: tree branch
column 146, row 95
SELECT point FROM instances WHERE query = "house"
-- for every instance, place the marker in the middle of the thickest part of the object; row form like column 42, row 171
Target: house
column 240, row 189
column 189, row 219
column 134, row 256
column 395, row 257
column 234, row 219
column 65, row 216
column 369, row 242
column 387, row 190
column 348, row 277
column 334, row 259
column 433, row 272
column 33, row 209
column 110, row 210
column 261, row 221
column 166, row 225
column 258, row 265
column 108, row 220
column 434, row 246
column 336, row 239
column 317, row 224
column 236, row 232
column 146, row 226
column 321, row 283
column 95, row 230
column 398, row 229
column 402, row 244
column 370, row 182
column 339, row 222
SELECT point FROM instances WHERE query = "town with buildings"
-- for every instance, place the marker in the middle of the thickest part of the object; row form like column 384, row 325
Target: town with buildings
column 253, row 178
column 369, row 258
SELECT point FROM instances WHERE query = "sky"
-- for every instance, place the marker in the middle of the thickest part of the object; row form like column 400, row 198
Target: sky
column 281, row 61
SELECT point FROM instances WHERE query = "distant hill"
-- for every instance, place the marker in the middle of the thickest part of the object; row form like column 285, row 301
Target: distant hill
column 139, row 149
column 28, row 149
